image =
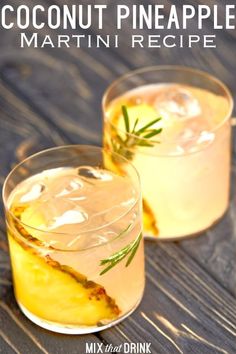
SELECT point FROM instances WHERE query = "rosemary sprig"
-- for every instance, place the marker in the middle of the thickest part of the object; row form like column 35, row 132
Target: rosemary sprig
column 126, row 118
column 134, row 137
column 129, row 250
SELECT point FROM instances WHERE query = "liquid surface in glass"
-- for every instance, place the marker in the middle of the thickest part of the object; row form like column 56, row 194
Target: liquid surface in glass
column 62, row 223
column 185, row 168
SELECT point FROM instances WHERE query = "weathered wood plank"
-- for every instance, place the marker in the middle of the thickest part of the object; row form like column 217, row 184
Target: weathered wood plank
column 74, row 133
column 17, row 337
column 215, row 249
column 6, row 346
column 18, row 332
column 183, row 311
column 69, row 100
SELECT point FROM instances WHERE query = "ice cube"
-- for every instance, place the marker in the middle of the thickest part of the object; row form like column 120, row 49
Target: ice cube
column 206, row 137
column 34, row 193
column 68, row 186
column 67, row 218
column 64, row 204
column 177, row 102
column 58, row 216
column 93, row 173
column 64, row 185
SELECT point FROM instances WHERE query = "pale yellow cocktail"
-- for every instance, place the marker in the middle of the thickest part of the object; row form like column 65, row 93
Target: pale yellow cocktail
column 173, row 124
column 75, row 237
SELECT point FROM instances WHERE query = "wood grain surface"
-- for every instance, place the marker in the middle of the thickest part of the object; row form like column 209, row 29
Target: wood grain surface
column 52, row 97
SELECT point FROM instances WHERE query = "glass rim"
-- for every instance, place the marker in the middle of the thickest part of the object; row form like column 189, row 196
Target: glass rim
column 49, row 247
column 169, row 68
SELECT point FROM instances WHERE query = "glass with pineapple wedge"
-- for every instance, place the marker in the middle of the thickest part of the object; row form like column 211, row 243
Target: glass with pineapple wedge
column 75, row 238
column 173, row 123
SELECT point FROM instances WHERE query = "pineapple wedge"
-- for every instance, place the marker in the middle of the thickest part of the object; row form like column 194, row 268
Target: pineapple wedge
column 149, row 221
column 55, row 292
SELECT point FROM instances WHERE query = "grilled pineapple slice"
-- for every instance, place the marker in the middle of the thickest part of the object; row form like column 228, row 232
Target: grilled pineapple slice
column 149, row 221
column 55, row 292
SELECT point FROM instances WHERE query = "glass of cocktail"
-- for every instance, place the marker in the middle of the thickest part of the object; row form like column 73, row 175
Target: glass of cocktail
column 173, row 123
column 75, row 237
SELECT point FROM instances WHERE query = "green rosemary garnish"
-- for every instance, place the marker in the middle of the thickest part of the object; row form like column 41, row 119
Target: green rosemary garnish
column 117, row 257
column 134, row 137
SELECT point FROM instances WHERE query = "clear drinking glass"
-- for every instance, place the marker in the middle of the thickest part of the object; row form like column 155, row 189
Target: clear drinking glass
column 75, row 237
column 173, row 123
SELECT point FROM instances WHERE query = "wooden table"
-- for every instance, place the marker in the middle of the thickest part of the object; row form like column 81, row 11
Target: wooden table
column 51, row 97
